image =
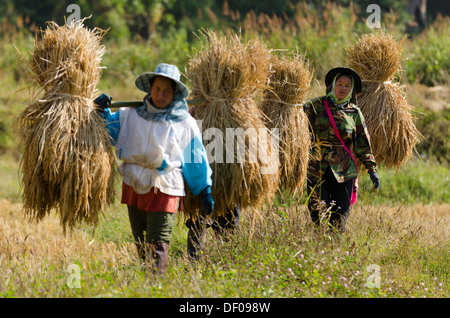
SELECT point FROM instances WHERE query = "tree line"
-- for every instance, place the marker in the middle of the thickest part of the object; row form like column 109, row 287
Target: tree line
column 143, row 18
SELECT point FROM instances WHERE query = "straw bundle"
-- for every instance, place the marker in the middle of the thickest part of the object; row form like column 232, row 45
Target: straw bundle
column 68, row 161
column 393, row 135
column 229, row 75
column 282, row 104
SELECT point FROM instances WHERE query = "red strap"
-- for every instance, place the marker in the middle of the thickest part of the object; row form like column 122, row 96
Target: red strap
column 333, row 124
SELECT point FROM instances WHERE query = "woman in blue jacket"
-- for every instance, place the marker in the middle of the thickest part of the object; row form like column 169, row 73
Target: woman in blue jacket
column 160, row 146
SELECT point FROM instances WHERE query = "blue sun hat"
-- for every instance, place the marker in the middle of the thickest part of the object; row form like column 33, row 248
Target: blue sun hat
column 166, row 70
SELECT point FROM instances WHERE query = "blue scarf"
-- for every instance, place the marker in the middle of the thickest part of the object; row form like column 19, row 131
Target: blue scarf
column 176, row 111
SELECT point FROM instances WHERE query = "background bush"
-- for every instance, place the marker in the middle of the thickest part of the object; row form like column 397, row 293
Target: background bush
column 435, row 128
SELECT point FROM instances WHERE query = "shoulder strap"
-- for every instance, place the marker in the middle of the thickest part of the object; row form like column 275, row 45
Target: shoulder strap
column 336, row 132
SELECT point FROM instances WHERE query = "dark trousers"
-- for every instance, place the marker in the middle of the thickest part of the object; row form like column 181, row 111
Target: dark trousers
column 329, row 195
column 151, row 227
column 152, row 232
column 221, row 225
column 230, row 221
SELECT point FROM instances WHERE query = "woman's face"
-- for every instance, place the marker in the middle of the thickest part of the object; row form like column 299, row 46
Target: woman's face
column 343, row 86
column 162, row 92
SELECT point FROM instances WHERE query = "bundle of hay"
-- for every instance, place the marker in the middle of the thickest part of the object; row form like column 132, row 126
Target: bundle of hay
column 393, row 135
column 289, row 83
column 68, row 160
column 229, row 75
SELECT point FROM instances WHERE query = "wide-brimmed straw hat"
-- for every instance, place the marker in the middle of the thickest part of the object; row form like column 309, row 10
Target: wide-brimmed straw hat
column 347, row 71
column 166, row 70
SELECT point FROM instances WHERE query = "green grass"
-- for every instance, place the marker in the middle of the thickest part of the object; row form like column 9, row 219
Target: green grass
column 277, row 255
column 419, row 181
column 9, row 170
column 425, row 182
column 280, row 256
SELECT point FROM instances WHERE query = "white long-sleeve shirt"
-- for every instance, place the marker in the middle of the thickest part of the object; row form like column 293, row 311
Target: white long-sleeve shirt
column 160, row 154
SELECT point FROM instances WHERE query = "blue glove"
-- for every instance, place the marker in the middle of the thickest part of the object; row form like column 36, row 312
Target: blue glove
column 375, row 180
column 207, row 200
column 163, row 166
column 104, row 101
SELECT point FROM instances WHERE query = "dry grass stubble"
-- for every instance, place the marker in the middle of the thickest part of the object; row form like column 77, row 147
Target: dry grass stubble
column 36, row 254
column 35, row 258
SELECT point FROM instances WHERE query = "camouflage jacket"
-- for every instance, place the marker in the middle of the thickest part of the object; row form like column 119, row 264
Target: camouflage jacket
column 327, row 150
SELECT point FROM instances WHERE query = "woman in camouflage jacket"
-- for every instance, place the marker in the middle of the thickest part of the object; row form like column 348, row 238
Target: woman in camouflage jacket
column 331, row 169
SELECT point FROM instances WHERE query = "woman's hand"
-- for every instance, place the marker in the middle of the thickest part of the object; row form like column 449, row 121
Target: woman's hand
column 207, row 200
column 104, row 101
column 375, row 180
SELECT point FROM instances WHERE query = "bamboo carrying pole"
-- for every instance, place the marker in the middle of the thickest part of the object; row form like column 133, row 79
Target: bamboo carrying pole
column 138, row 103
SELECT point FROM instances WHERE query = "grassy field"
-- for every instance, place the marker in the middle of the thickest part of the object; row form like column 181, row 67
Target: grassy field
column 389, row 250
column 397, row 243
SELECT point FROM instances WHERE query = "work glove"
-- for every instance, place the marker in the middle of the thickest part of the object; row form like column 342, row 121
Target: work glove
column 375, row 180
column 103, row 101
column 208, row 207
column 207, row 200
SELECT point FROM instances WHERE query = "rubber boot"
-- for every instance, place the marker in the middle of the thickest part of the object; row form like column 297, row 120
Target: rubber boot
column 159, row 253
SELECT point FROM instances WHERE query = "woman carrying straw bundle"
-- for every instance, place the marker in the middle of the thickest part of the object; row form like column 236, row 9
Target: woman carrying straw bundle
column 288, row 85
column 377, row 58
column 230, row 75
column 337, row 126
column 161, row 147
column 221, row 223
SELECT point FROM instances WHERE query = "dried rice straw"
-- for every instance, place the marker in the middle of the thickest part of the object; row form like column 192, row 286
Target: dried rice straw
column 282, row 104
column 393, row 135
column 229, row 75
column 68, row 161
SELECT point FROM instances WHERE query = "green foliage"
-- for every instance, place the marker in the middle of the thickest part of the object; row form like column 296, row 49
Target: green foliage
column 418, row 182
column 126, row 60
column 282, row 6
column 124, row 18
column 318, row 29
column 428, row 62
column 34, row 12
column 435, row 129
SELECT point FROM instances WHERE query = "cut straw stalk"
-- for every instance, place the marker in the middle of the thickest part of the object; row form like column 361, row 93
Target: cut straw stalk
column 68, row 161
column 390, row 123
column 376, row 57
column 288, row 86
column 393, row 135
column 229, row 75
